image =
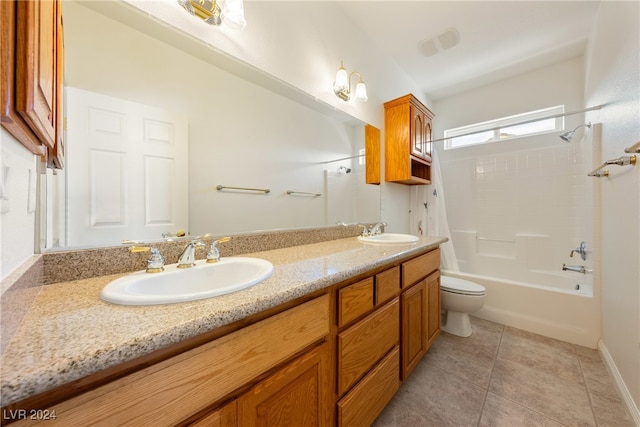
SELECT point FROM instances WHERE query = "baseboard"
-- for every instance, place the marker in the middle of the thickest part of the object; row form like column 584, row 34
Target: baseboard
column 622, row 388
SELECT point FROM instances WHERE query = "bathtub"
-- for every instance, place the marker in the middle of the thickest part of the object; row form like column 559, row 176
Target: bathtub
column 558, row 311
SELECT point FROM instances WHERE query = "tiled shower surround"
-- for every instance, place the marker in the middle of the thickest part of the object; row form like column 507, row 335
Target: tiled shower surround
column 517, row 208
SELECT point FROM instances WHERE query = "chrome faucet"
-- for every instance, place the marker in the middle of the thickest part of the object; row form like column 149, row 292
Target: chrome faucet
column 188, row 257
column 375, row 230
column 576, row 268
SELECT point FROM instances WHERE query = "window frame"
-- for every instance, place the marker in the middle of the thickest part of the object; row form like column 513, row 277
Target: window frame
column 496, row 126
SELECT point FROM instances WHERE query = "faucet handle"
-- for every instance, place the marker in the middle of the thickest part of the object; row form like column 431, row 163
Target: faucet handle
column 213, row 255
column 365, row 230
column 582, row 250
column 155, row 262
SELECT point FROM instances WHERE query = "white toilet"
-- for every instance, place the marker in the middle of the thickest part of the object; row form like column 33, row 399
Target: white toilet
column 459, row 298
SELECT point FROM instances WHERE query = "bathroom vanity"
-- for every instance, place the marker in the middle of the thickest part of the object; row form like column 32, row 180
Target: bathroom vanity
column 326, row 340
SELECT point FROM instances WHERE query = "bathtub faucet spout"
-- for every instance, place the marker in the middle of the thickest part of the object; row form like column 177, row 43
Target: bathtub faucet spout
column 576, row 268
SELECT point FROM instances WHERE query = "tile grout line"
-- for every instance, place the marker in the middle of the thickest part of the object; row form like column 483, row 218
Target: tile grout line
column 493, row 365
column 586, row 388
column 547, row 416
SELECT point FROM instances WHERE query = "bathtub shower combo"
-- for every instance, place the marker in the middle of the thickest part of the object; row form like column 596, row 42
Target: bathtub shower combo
column 527, row 288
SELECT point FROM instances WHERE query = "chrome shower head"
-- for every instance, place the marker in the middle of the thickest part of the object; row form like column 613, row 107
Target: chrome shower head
column 567, row 136
column 345, row 169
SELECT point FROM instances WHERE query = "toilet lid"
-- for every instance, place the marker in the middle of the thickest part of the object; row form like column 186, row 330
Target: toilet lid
column 461, row 286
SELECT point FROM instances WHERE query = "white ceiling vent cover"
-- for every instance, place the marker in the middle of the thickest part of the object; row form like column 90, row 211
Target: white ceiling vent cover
column 443, row 41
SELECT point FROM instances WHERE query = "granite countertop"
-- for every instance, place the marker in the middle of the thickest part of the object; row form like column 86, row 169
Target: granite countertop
column 69, row 332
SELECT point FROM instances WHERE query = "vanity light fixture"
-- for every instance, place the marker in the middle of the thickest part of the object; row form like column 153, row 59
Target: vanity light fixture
column 214, row 12
column 342, row 85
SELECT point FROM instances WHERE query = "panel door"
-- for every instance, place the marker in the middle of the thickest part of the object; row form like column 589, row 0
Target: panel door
column 414, row 326
column 36, row 67
column 296, row 395
column 417, row 131
column 433, row 307
column 427, row 139
column 129, row 177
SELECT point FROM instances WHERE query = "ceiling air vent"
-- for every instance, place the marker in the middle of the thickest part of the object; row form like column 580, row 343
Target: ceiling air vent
column 443, row 41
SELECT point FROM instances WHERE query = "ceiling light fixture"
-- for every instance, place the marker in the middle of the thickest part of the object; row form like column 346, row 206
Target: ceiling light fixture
column 342, row 85
column 213, row 12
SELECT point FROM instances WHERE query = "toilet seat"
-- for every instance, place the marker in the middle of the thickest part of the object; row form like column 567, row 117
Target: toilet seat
column 460, row 286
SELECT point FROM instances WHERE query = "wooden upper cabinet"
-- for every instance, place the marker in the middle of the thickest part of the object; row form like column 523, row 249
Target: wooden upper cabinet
column 32, row 75
column 408, row 141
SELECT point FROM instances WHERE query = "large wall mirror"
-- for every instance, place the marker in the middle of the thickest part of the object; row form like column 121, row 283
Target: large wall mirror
column 155, row 128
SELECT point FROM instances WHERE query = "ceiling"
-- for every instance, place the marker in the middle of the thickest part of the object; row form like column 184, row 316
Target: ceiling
column 495, row 39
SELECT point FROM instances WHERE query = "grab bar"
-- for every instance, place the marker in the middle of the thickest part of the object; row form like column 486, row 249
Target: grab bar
column 620, row 161
column 496, row 239
column 635, row 148
column 304, row 192
column 261, row 190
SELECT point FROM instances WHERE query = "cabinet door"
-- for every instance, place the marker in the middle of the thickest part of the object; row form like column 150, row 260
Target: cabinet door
column 36, row 66
column 10, row 118
column 426, row 146
column 414, row 326
column 221, row 417
column 296, row 395
column 417, row 131
column 433, row 307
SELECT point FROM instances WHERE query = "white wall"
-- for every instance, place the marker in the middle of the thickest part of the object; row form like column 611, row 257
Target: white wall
column 613, row 78
column 17, row 224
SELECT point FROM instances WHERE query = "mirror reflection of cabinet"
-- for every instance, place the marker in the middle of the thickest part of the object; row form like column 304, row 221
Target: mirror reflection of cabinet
column 407, row 141
column 372, row 153
column 31, row 90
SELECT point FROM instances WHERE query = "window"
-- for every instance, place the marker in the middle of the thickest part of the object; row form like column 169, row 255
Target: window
column 520, row 125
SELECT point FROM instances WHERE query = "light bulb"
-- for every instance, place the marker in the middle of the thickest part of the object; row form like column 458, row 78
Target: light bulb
column 361, row 92
column 233, row 14
column 342, row 80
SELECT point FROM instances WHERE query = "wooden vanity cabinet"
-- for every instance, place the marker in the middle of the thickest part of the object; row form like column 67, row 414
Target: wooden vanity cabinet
column 420, row 308
column 408, row 136
column 368, row 347
column 178, row 388
column 32, row 75
column 226, row 416
column 335, row 359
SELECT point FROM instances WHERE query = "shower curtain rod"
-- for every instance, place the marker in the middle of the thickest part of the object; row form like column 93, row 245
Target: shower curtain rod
column 555, row 116
column 343, row 158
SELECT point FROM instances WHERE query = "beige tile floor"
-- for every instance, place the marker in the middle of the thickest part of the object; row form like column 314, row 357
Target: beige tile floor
column 502, row 376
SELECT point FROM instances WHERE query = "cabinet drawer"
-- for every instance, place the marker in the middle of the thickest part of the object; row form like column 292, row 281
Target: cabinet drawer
column 387, row 285
column 171, row 391
column 363, row 404
column 354, row 301
column 361, row 346
column 420, row 267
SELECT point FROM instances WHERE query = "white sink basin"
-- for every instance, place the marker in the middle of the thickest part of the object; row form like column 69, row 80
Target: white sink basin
column 179, row 285
column 389, row 239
